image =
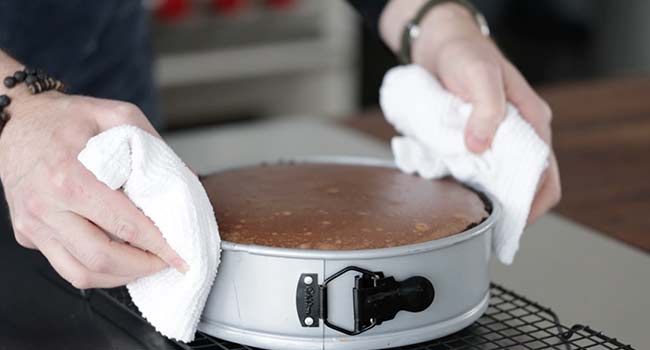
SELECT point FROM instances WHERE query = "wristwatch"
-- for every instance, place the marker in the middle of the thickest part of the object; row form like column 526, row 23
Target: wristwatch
column 412, row 27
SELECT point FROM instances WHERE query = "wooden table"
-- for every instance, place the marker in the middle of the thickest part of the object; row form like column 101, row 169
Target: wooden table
column 602, row 141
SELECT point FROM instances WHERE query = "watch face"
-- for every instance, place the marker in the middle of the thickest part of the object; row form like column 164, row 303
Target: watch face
column 413, row 30
column 482, row 23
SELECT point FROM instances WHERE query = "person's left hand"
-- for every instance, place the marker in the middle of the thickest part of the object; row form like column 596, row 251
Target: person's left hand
column 470, row 65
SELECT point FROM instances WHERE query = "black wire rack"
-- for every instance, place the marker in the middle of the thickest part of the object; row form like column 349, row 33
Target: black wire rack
column 510, row 322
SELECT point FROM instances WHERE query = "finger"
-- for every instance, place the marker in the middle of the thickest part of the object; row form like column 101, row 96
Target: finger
column 23, row 232
column 549, row 193
column 21, row 239
column 97, row 252
column 486, row 93
column 73, row 271
column 529, row 104
column 538, row 114
column 117, row 215
column 24, row 241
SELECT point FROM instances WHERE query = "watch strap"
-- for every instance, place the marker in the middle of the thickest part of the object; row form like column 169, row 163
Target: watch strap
column 412, row 28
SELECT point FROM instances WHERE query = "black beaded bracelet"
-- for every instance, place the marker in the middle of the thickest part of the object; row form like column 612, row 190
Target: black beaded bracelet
column 37, row 81
column 4, row 116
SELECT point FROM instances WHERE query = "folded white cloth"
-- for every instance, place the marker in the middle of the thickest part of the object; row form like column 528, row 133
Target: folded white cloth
column 160, row 185
column 432, row 122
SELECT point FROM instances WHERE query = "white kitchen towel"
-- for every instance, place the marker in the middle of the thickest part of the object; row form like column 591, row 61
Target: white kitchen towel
column 432, row 122
column 161, row 185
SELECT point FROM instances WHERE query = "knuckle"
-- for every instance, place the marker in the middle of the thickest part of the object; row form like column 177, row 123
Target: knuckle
column 127, row 232
column 81, row 280
column 23, row 241
column 98, row 261
column 34, row 204
column 24, row 226
column 126, row 111
column 63, row 180
column 20, row 226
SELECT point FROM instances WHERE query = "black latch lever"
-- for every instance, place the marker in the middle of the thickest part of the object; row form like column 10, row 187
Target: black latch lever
column 376, row 299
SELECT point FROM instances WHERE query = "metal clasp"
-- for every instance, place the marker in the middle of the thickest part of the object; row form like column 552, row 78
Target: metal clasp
column 376, row 299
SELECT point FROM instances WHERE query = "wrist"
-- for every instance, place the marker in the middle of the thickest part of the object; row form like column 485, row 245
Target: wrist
column 28, row 122
column 23, row 88
column 8, row 67
column 444, row 23
column 24, row 103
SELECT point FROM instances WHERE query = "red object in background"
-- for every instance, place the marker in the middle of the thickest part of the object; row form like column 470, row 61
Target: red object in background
column 173, row 9
column 228, row 6
column 281, row 4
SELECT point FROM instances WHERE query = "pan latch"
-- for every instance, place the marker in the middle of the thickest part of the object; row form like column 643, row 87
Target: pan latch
column 376, row 299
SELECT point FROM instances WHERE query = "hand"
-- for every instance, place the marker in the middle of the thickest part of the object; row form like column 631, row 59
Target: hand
column 470, row 65
column 93, row 236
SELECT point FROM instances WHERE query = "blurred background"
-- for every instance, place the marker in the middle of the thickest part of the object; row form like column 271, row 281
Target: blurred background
column 280, row 57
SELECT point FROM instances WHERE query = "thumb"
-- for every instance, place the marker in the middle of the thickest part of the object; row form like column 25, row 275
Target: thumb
column 487, row 95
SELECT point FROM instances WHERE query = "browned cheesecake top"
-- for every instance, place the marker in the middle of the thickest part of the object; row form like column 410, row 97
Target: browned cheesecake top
column 338, row 207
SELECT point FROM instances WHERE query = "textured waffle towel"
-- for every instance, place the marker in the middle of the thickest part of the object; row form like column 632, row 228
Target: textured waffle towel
column 160, row 184
column 432, row 122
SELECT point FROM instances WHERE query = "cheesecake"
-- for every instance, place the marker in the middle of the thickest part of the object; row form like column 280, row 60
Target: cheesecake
column 338, row 206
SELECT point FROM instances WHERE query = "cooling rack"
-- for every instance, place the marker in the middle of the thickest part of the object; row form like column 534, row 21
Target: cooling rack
column 512, row 322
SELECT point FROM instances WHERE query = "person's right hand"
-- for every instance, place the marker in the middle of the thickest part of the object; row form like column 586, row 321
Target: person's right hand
column 93, row 236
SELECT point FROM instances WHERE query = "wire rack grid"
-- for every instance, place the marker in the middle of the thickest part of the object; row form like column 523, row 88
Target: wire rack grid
column 511, row 322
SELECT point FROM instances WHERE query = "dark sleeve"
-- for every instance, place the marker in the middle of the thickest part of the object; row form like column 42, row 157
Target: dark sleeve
column 371, row 11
